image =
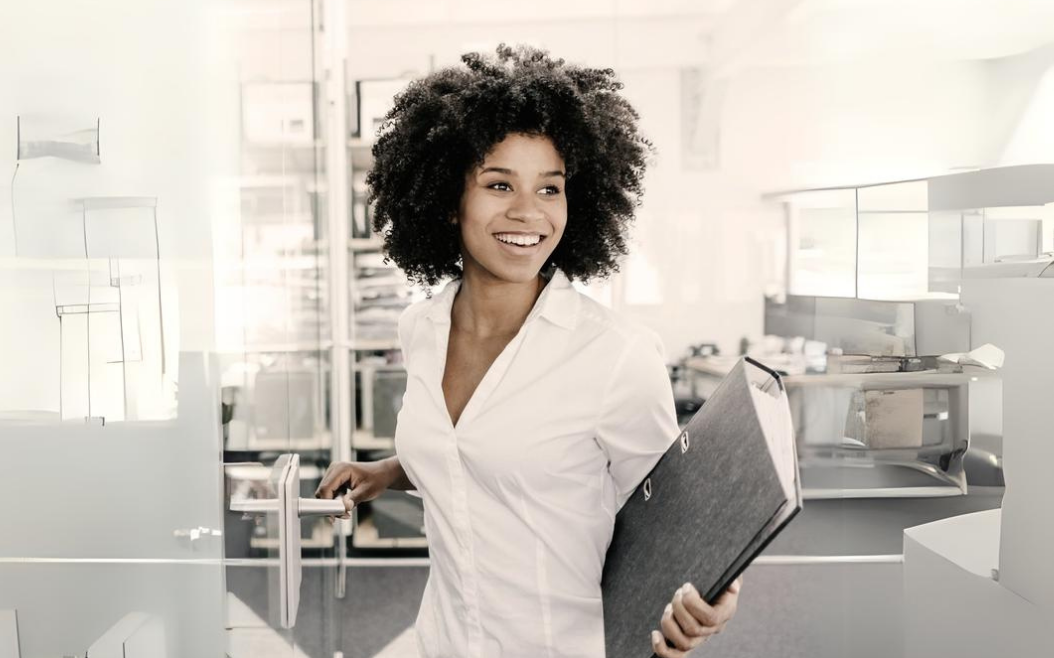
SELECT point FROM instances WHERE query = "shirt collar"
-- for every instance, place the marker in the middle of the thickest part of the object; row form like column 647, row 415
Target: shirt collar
column 558, row 302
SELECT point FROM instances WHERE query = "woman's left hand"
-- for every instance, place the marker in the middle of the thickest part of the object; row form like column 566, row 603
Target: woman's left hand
column 689, row 620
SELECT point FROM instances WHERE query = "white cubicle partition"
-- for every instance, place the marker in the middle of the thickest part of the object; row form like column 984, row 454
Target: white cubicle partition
column 1018, row 315
column 982, row 584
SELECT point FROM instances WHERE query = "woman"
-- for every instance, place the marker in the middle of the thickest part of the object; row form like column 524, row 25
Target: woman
column 531, row 412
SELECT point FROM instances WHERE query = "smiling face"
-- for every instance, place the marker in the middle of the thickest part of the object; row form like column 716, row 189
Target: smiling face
column 514, row 209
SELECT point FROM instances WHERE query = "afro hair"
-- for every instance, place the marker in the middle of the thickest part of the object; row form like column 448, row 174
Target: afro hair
column 443, row 125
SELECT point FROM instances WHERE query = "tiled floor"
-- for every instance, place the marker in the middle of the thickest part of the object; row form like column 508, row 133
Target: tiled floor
column 250, row 636
column 786, row 611
column 374, row 620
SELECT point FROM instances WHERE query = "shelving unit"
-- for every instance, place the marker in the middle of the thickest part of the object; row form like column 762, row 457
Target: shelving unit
column 318, row 308
column 275, row 347
column 376, row 295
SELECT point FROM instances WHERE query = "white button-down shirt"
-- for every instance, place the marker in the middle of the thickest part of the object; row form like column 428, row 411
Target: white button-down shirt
column 520, row 496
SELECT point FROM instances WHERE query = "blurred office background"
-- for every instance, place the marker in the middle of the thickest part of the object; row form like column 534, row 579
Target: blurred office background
column 197, row 320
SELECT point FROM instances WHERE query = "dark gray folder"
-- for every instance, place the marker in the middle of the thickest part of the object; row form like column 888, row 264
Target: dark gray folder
column 711, row 504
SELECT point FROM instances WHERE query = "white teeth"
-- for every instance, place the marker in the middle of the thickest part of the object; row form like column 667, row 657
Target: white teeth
column 516, row 238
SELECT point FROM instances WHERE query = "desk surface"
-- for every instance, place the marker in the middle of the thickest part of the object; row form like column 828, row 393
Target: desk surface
column 969, row 540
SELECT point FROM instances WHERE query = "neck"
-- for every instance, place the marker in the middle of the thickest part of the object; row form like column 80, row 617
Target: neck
column 486, row 306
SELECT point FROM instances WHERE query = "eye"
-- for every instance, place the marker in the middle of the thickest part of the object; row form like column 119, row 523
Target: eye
column 493, row 185
column 552, row 190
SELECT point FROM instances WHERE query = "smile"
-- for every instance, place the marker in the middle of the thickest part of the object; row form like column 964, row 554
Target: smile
column 519, row 240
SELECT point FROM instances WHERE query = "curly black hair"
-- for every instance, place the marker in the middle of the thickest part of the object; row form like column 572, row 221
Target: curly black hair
column 443, row 125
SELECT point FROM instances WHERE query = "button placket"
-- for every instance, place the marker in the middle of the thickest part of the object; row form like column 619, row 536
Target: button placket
column 466, row 557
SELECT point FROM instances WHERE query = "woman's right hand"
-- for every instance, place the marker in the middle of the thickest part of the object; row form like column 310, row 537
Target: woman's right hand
column 355, row 482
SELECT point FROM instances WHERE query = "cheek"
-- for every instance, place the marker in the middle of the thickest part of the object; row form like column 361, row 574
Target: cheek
column 474, row 239
column 560, row 224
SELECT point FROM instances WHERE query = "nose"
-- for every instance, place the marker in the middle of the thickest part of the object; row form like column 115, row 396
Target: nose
column 525, row 207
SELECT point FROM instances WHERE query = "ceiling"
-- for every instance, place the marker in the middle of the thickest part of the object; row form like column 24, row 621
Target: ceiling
column 394, row 12
column 833, row 30
column 740, row 33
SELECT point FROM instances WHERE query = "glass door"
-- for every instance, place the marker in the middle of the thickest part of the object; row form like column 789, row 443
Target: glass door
column 275, row 340
column 274, row 268
column 164, row 333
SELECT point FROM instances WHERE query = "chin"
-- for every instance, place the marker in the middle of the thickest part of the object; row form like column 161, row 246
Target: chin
column 511, row 273
column 516, row 274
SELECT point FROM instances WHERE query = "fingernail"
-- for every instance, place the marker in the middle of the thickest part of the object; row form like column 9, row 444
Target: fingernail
column 655, row 637
column 668, row 611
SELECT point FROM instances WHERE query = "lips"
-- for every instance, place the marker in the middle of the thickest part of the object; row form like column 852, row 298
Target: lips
column 520, row 238
column 509, row 240
column 520, row 251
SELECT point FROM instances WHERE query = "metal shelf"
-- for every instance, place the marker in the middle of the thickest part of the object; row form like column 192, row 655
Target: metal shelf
column 366, row 536
column 374, row 344
column 365, row 440
column 365, row 244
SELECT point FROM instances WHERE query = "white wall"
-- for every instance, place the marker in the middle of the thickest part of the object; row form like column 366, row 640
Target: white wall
column 704, row 241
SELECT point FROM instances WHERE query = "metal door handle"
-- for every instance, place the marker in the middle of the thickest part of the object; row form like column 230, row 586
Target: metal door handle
column 290, row 508
column 305, row 506
column 319, row 507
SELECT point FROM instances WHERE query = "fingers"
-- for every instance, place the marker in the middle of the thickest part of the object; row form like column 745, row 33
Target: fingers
column 672, row 630
column 659, row 646
column 680, row 627
column 713, row 617
column 736, row 585
column 727, row 603
column 685, row 620
column 335, row 481
column 700, row 610
column 358, row 494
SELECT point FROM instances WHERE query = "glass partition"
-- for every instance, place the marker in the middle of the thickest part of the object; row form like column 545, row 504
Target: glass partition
column 164, row 284
column 274, row 323
column 822, row 250
column 110, row 420
column 893, row 231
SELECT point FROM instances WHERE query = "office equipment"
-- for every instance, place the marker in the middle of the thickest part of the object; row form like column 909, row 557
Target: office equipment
column 711, row 504
column 286, row 410
column 847, row 443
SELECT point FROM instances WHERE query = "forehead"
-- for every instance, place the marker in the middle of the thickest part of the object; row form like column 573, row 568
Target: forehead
column 529, row 151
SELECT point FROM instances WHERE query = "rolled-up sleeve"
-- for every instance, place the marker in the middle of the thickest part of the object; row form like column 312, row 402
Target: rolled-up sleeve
column 637, row 421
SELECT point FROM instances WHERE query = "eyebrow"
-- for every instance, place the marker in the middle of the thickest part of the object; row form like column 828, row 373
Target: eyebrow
column 510, row 172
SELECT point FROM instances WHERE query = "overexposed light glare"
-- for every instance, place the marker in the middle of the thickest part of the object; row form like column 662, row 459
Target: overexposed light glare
column 1033, row 137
